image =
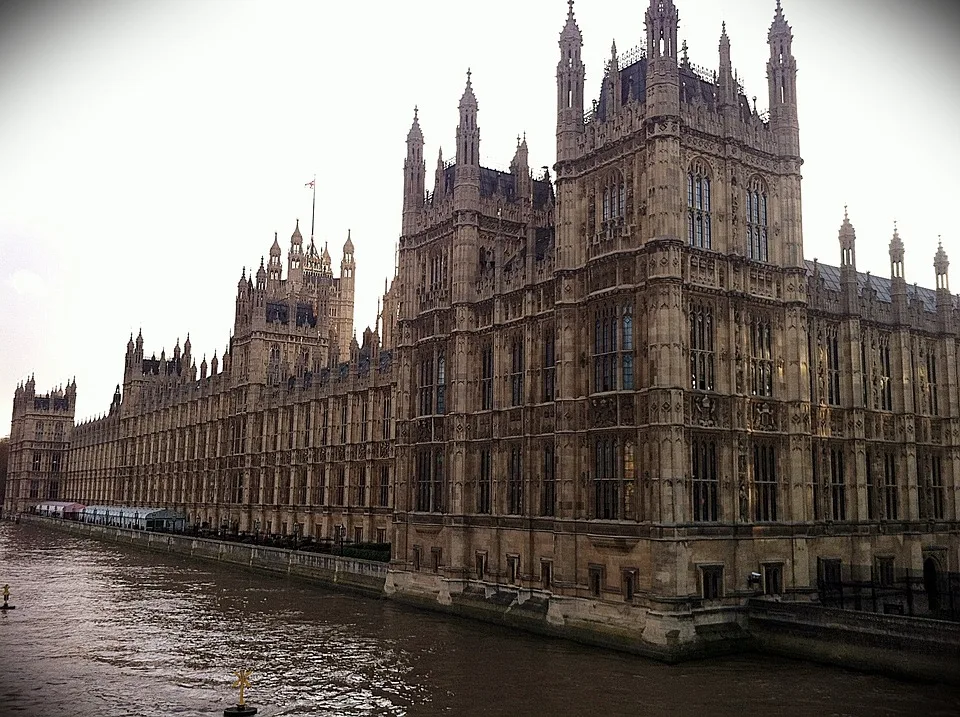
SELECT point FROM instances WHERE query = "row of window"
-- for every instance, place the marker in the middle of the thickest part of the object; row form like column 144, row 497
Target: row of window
column 615, row 470
column 877, row 367
column 699, row 217
column 613, row 361
column 710, row 577
column 291, row 487
column 56, row 428
column 703, row 352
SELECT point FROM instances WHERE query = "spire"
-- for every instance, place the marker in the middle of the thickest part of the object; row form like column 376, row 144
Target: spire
column 348, row 248
column 570, row 74
column 415, row 135
column 468, row 99
column 782, row 84
column 940, row 265
column 275, row 247
column 468, row 134
column 571, row 31
column 848, row 238
column 727, row 84
column 296, row 236
column 662, row 20
column 414, row 172
column 779, row 27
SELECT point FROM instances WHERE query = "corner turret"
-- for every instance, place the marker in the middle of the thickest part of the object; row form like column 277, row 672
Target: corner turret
column 570, row 77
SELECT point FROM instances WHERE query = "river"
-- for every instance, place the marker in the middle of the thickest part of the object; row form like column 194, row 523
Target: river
column 105, row 630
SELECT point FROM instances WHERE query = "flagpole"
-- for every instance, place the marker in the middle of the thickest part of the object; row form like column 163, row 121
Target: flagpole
column 313, row 207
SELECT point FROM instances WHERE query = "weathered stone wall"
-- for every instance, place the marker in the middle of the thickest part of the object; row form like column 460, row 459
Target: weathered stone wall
column 914, row 647
column 911, row 647
column 329, row 570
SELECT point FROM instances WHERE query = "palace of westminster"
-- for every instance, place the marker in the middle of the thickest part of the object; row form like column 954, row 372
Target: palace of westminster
column 622, row 388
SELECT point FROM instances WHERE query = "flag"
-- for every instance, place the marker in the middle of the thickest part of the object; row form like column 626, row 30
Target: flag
column 310, row 183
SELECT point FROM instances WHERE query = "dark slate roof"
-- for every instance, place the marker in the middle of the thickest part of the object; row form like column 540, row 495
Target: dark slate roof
column 494, row 182
column 831, row 279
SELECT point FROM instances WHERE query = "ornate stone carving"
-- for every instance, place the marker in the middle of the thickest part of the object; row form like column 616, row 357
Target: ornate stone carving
column 705, row 410
column 763, row 418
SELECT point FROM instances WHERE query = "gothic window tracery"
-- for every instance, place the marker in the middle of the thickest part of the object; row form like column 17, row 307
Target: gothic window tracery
column 431, row 383
column 705, row 480
column 930, row 484
column 699, row 227
column 486, row 377
column 516, row 371
column 613, row 197
column 931, row 379
column 756, row 205
column 429, row 479
column 607, row 480
column 761, row 356
column 515, row 482
column 832, row 347
column 548, row 488
column 549, row 364
column 765, row 482
column 838, row 489
column 613, row 349
column 485, row 482
column 701, row 348
column 883, row 374
column 273, row 365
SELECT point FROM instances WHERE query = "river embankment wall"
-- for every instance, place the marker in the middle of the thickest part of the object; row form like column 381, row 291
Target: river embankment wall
column 910, row 647
column 334, row 571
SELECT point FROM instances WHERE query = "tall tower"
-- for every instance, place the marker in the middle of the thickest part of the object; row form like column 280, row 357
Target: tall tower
column 663, row 121
column 466, row 198
column 726, row 85
column 782, row 83
column 570, row 76
column 295, row 258
column 570, row 128
column 848, row 264
column 414, row 170
column 944, row 299
column 348, row 269
column 899, row 286
column 468, row 137
column 274, row 268
column 40, row 432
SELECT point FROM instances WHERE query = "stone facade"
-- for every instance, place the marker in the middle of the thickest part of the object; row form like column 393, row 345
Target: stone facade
column 621, row 389
column 40, row 440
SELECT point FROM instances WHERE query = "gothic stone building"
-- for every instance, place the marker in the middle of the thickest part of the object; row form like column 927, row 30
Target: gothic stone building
column 622, row 391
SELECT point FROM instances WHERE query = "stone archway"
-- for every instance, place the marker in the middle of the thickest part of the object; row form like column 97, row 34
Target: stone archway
column 931, row 584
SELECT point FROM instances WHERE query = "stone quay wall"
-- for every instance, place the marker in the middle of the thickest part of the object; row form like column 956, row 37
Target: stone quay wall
column 911, row 647
column 332, row 571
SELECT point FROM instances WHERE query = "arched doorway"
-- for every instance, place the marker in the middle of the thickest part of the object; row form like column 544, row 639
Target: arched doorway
column 931, row 584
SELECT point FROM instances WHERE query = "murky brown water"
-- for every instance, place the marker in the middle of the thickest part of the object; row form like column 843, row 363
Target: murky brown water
column 110, row 631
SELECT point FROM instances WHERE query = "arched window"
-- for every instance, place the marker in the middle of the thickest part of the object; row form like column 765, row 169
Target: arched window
column 701, row 348
column 441, row 384
column 699, row 229
column 606, row 480
column 273, row 367
column 613, row 198
column 757, row 221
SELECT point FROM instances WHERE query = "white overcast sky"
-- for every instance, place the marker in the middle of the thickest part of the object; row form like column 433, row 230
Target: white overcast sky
column 149, row 149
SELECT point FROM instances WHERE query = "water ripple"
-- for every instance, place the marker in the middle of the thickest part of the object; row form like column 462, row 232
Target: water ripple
column 109, row 631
